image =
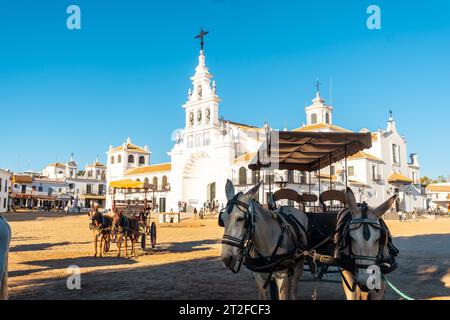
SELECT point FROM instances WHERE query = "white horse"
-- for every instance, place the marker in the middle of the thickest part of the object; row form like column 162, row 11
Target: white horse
column 261, row 239
column 366, row 244
column 5, row 239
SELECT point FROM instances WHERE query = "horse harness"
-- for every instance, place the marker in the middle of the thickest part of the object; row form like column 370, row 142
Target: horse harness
column 277, row 262
column 125, row 225
column 103, row 225
column 289, row 225
column 348, row 262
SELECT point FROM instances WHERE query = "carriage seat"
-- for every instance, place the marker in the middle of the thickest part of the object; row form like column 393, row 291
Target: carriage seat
column 308, row 200
column 285, row 194
column 332, row 196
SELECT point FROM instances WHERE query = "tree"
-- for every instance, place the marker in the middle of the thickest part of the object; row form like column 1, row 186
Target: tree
column 81, row 173
column 440, row 179
column 426, row 181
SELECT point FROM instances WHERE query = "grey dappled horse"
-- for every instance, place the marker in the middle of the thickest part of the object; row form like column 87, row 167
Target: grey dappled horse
column 5, row 239
column 367, row 246
column 254, row 236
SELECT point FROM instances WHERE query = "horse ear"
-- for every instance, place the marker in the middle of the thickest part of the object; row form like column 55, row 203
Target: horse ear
column 351, row 201
column 381, row 209
column 253, row 191
column 229, row 189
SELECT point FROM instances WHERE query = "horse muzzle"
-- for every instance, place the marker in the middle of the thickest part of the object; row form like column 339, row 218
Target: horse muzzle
column 229, row 261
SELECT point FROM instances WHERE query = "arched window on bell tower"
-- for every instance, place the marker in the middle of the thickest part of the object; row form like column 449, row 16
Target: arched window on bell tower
column 314, row 118
column 327, row 118
column 191, row 119
column 208, row 115
column 199, row 117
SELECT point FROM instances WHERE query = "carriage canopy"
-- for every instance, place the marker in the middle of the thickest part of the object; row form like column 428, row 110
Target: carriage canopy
column 307, row 151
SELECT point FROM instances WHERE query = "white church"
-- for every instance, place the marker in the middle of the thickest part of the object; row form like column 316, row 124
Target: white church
column 211, row 150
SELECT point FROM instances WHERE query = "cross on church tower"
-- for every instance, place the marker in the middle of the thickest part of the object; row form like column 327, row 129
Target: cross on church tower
column 318, row 85
column 201, row 36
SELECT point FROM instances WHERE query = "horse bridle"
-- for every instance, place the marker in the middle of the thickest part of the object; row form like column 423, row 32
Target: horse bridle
column 365, row 222
column 93, row 218
column 243, row 244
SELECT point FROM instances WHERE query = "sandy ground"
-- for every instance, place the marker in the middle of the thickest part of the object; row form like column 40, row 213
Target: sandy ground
column 186, row 263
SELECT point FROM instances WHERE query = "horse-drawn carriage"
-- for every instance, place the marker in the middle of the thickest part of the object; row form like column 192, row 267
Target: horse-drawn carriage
column 310, row 153
column 134, row 203
column 315, row 229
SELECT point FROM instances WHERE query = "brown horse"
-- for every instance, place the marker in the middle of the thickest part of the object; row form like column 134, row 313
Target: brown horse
column 101, row 225
column 127, row 228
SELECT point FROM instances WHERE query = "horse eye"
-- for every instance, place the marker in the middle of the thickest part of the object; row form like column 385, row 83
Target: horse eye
column 239, row 219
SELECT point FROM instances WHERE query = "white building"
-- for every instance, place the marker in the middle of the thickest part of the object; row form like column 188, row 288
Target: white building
column 5, row 178
column 61, row 186
column 89, row 188
column 28, row 192
column 376, row 173
column 439, row 195
column 210, row 150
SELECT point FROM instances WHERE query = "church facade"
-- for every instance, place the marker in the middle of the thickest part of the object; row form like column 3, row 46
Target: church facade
column 210, row 150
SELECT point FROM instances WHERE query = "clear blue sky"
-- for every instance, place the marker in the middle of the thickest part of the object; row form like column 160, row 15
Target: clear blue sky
column 126, row 73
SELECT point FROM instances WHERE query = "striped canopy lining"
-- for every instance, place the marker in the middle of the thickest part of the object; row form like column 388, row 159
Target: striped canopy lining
column 308, row 151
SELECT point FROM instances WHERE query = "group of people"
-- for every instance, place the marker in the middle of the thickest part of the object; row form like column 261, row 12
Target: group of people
column 209, row 207
column 405, row 216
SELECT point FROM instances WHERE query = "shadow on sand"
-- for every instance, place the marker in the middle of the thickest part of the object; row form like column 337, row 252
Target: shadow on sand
column 42, row 246
column 419, row 274
column 30, row 216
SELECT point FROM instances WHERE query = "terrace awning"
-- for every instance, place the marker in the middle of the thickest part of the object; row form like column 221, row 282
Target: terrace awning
column 308, row 151
column 399, row 178
column 93, row 197
column 21, row 196
column 127, row 184
column 45, row 198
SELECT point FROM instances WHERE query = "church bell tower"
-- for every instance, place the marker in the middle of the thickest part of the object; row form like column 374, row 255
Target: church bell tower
column 318, row 112
column 202, row 106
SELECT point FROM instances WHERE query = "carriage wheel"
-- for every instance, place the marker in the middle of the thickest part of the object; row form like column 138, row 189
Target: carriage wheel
column 143, row 240
column 153, row 234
